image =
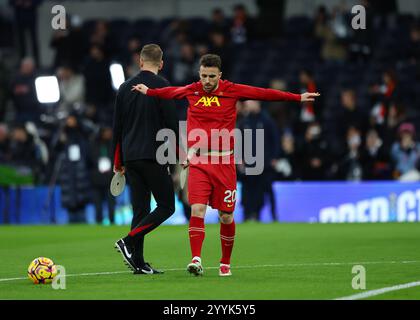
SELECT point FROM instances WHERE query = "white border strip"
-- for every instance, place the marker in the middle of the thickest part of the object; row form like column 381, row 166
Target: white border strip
column 377, row 292
column 320, row 264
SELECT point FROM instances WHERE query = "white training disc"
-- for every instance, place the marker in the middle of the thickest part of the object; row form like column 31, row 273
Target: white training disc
column 117, row 184
column 183, row 177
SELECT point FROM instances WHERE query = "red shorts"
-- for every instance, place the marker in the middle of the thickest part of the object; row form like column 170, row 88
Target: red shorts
column 213, row 184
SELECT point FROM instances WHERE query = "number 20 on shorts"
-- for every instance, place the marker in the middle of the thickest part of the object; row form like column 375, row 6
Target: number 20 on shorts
column 230, row 197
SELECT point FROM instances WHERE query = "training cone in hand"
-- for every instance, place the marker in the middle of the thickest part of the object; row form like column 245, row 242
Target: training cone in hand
column 117, row 184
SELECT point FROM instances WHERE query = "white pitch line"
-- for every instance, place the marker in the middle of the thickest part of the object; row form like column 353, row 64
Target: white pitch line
column 376, row 292
column 12, row 279
column 285, row 265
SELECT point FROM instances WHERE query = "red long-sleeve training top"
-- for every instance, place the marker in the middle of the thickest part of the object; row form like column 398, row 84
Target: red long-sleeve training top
column 216, row 110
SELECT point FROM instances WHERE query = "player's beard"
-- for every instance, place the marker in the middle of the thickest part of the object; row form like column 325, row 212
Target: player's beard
column 209, row 88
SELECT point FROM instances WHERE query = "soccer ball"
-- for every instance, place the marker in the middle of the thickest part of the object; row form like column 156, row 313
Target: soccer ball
column 42, row 270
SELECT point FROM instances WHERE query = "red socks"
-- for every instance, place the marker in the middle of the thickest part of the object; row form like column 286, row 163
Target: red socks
column 227, row 237
column 197, row 233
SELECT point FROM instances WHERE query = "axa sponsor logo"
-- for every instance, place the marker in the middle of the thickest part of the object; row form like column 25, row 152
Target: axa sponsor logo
column 208, row 101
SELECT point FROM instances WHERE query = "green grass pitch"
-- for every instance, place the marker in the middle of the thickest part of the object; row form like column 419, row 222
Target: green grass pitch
column 270, row 261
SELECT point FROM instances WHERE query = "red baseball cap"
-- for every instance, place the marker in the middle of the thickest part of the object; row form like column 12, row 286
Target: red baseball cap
column 407, row 127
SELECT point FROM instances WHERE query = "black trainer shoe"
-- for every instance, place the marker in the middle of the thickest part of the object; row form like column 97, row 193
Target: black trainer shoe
column 127, row 254
column 147, row 269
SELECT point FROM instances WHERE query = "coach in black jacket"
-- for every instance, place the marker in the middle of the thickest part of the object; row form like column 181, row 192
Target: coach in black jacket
column 137, row 119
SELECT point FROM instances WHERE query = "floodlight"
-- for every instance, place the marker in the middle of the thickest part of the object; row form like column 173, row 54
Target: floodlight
column 117, row 75
column 47, row 90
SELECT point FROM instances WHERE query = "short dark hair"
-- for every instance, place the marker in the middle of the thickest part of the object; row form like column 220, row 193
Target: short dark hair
column 152, row 53
column 211, row 60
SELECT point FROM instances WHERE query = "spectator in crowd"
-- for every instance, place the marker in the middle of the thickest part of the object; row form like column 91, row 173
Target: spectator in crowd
column 5, row 153
column 70, row 44
column 184, row 68
column 78, row 43
column 72, row 88
column 99, row 91
column 102, row 37
column 383, row 94
column 339, row 24
column 396, row 116
column 218, row 22
column 253, row 198
column 174, row 36
column 4, row 86
column 133, row 67
column 130, row 57
column 282, row 112
column 314, row 153
column 332, row 48
column 320, row 20
column 375, row 158
column 405, row 152
column 413, row 48
column 71, row 145
column 219, row 45
column 310, row 110
column 350, row 166
column 101, row 173
column 201, row 48
column 26, row 18
column 26, row 105
column 287, row 165
column 241, row 30
column 24, row 151
column 133, row 45
column 349, row 115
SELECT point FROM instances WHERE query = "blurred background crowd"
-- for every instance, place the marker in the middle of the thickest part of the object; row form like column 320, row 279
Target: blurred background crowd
column 364, row 127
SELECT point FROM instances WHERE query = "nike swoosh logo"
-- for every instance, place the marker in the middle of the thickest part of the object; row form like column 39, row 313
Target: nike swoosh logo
column 127, row 253
column 147, row 271
column 230, row 206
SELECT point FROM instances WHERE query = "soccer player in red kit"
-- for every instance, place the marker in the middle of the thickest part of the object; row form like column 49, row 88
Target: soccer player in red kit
column 212, row 106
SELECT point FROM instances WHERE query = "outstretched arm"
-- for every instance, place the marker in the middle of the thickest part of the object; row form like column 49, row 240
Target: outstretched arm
column 163, row 93
column 255, row 93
